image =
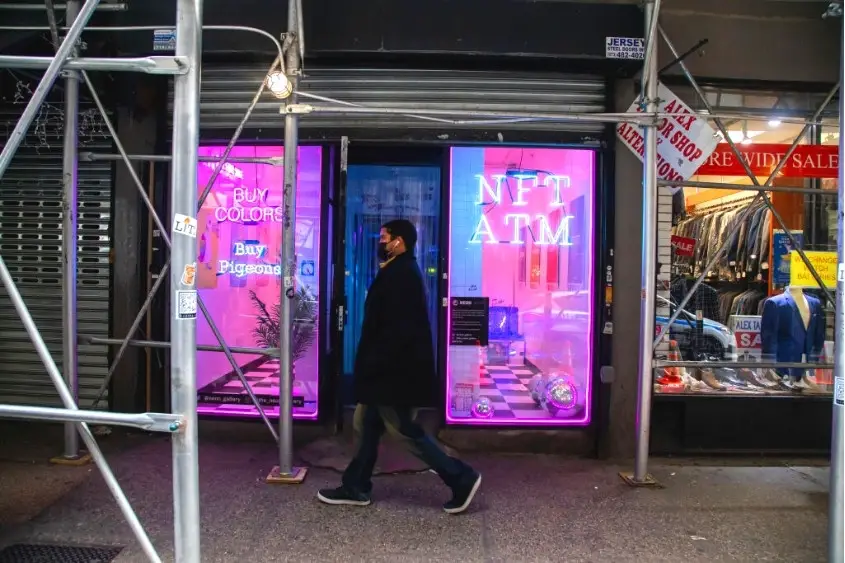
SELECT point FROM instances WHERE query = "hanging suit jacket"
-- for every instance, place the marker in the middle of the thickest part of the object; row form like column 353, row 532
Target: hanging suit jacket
column 782, row 331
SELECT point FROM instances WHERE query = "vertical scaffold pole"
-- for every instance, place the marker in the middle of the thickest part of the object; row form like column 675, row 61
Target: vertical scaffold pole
column 836, row 532
column 645, row 378
column 70, row 186
column 286, row 472
column 183, row 297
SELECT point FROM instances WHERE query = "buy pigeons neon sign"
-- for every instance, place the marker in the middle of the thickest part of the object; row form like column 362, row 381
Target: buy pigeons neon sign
column 491, row 194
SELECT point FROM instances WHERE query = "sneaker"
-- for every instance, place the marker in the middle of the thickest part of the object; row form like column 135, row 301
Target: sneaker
column 463, row 495
column 342, row 496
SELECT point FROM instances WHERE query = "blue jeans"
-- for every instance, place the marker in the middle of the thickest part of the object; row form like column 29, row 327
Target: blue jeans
column 371, row 422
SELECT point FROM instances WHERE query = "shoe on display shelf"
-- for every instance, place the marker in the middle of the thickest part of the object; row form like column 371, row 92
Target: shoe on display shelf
column 758, row 378
column 694, row 385
column 709, row 378
column 807, row 384
column 729, row 377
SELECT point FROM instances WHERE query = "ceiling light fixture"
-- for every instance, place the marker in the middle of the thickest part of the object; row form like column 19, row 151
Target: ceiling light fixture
column 774, row 123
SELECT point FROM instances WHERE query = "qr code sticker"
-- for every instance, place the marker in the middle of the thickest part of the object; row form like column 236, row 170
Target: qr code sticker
column 186, row 305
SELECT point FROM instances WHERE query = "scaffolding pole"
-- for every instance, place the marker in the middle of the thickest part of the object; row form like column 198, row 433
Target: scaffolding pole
column 101, row 157
column 70, row 185
column 745, row 187
column 273, row 352
column 648, row 280
column 836, row 519
column 38, row 7
column 183, row 298
column 150, row 421
column 286, row 472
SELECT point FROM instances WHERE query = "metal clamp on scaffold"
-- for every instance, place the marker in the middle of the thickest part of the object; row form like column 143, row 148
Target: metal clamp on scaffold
column 297, row 109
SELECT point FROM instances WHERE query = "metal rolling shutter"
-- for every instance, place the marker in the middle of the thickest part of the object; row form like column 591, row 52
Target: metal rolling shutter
column 30, row 244
column 228, row 90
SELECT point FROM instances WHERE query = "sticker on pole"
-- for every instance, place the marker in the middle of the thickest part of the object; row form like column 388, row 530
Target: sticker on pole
column 186, row 304
column 624, row 48
column 684, row 140
column 839, row 391
column 164, row 40
column 189, row 274
column 184, row 225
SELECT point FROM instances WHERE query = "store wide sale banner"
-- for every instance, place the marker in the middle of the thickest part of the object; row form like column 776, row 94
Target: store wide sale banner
column 684, row 141
column 807, row 161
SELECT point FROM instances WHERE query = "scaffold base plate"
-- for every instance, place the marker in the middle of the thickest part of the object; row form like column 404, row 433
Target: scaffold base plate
column 648, row 483
column 78, row 461
column 296, row 476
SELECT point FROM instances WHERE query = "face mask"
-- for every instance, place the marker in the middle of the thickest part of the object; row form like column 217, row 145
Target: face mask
column 383, row 252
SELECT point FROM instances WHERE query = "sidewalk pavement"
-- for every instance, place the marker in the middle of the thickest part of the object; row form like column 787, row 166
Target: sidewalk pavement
column 530, row 509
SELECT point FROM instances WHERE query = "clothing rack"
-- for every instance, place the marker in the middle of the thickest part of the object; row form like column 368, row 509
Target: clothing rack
column 721, row 205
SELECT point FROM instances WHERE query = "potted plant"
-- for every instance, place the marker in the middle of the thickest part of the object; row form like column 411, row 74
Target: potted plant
column 266, row 332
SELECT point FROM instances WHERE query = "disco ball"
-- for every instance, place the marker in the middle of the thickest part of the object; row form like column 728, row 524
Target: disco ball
column 537, row 387
column 482, row 408
column 560, row 396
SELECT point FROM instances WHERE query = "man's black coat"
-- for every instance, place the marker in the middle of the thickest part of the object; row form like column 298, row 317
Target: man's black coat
column 395, row 365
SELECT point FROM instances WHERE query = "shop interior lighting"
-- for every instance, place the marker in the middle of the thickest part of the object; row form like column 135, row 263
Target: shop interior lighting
column 279, row 85
column 774, row 122
column 743, row 137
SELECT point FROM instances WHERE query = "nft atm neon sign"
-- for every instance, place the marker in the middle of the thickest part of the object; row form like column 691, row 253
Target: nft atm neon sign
column 525, row 184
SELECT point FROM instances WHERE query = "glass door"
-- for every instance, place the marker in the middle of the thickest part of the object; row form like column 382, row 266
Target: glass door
column 377, row 193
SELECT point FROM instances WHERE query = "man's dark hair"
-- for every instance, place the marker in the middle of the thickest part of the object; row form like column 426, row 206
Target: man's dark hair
column 405, row 229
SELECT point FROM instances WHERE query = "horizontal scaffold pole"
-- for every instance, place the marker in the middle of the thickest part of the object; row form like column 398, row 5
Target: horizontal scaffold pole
column 166, row 345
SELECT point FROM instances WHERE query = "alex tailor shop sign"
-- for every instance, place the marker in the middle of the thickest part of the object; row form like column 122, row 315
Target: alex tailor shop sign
column 808, row 161
column 684, row 142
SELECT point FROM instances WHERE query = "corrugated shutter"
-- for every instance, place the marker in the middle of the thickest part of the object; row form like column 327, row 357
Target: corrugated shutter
column 31, row 243
column 228, row 90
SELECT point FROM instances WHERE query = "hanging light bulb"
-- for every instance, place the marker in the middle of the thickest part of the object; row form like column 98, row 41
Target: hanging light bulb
column 746, row 140
column 774, row 122
column 279, row 85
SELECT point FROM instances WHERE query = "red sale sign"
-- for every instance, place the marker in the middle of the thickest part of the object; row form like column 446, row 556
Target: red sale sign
column 745, row 340
column 746, row 329
column 683, row 246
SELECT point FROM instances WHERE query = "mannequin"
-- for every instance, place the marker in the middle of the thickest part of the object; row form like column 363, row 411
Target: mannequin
column 792, row 330
column 801, row 302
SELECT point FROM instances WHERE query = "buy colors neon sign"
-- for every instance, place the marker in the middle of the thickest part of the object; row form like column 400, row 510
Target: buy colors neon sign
column 510, row 227
column 249, row 205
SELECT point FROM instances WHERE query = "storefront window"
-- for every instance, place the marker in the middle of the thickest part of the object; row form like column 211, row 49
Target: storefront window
column 238, row 275
column 376, row 194
column 758, row 301
column 520, row 298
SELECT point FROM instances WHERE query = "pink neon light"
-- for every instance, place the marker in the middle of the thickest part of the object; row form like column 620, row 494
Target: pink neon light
column 239, row 226
column 586, row 388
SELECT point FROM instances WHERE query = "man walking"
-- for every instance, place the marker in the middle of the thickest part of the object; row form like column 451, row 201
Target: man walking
column 394, row 373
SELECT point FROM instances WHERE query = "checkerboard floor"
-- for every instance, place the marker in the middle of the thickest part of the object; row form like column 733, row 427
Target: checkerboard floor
column 507, row 388
column 264, row 381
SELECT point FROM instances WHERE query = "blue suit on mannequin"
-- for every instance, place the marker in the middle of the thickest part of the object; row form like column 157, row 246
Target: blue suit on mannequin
column 783, row 334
